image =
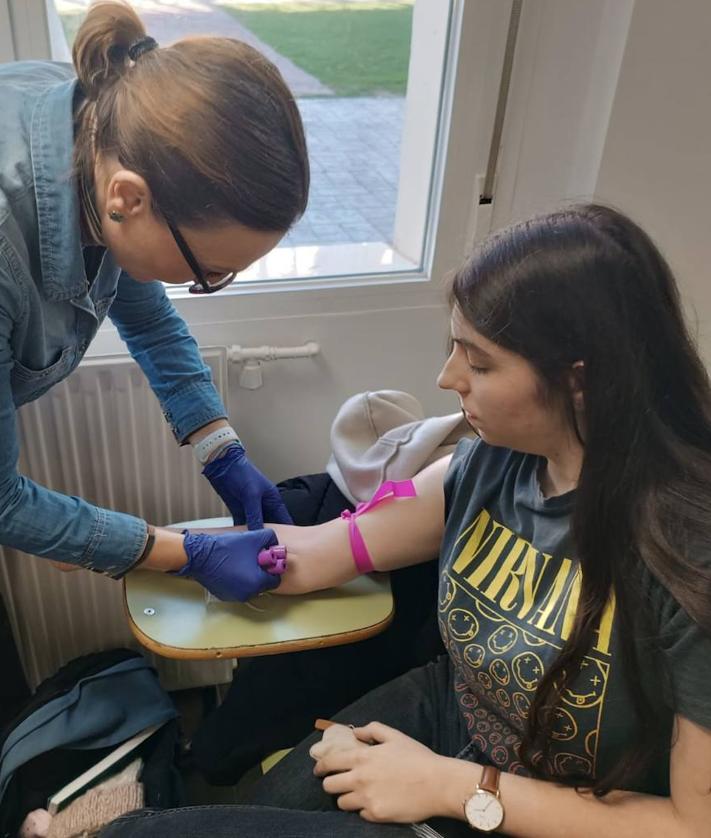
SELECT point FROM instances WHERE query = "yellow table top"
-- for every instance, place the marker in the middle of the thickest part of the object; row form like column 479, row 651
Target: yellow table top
column 171, row 617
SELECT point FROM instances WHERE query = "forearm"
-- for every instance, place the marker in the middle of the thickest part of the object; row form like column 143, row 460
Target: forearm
column 67, row 529
column 167, row 552
column 397, row 533
column 317, row 557
column 539, row 809
column 320, row 557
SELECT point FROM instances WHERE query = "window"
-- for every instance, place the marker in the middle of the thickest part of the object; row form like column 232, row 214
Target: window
column 348, row 64
column 378, row 121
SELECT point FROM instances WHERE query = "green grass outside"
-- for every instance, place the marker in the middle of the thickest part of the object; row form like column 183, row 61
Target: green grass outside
column 355, row 49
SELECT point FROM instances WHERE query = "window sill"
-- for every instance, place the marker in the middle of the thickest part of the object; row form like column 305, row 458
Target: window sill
column 318, row 266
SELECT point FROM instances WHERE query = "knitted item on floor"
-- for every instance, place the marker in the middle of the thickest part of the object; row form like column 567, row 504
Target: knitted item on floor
column 86, row 815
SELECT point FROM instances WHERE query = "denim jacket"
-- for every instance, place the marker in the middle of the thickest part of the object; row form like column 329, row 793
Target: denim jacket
column 49, row 314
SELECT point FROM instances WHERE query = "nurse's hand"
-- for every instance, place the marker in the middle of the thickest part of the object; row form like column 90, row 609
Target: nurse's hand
column 250, row 497
column 226, row 563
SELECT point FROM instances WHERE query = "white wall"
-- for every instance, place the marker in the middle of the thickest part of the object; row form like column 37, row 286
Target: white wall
column 656, row 162
column 7, row 48
column 611, row 100
column 286, row 423
column 565, row 72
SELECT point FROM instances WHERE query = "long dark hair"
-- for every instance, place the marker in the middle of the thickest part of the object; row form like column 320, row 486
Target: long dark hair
column 209, row 123
column 587, row 284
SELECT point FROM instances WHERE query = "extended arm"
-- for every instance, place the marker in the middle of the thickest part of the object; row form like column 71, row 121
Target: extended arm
column 400, row 532
column 537, row 809
column 399, row 779
column 36, row 519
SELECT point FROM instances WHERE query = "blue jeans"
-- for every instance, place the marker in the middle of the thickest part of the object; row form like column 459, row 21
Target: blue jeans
column 289, row 802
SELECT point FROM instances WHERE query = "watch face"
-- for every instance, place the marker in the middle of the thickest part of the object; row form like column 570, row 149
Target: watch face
column 484, row 811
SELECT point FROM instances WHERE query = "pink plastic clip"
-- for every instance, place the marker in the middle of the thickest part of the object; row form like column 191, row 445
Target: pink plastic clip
column 273, row 559
column 390, row 489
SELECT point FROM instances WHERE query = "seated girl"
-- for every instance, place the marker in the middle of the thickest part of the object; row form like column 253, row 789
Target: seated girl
column 574, row 595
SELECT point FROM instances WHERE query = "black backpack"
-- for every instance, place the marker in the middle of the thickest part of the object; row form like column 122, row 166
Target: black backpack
column 74, row 719
column 14, row 691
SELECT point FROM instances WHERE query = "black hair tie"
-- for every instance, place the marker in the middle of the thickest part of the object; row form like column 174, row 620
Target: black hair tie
column 137, row 48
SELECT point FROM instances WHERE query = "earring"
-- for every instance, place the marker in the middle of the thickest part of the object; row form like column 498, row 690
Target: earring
column 115, row 215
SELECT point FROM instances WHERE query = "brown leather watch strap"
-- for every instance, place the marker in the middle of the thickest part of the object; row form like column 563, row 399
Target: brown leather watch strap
column 490, row 779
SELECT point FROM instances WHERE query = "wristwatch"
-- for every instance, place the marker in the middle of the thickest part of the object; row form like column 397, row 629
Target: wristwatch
column 214, row 441
column 484, row 810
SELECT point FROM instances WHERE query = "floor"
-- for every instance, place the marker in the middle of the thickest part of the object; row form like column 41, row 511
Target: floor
column 192, row 705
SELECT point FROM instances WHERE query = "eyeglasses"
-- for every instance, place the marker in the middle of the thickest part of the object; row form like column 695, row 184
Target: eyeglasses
column 202, row 284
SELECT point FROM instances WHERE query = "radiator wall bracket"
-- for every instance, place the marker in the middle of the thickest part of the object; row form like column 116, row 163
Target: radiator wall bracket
column 253, row 358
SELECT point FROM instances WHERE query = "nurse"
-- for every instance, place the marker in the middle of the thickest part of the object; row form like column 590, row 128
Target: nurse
column 140, row 166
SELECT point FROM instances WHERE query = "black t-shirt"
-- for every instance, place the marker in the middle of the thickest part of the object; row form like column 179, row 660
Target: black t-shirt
column 509, row 586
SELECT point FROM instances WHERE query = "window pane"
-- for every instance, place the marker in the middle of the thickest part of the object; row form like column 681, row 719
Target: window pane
column 346, row 62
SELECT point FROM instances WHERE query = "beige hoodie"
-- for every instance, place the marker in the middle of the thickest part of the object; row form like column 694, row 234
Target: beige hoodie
column 384, row 435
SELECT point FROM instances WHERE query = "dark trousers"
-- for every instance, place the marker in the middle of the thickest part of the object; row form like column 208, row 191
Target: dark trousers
column 289, row 802
column 291, row 690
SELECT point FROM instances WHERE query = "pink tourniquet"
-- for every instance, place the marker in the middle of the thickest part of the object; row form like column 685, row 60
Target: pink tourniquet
column 390, row 489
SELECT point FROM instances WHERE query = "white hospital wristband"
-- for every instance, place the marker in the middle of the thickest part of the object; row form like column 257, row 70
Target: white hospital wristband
column 212, row 442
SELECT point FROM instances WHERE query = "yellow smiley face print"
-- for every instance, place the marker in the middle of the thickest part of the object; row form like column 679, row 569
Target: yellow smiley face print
column 503, row 639
column 462, row 624
column 528, row 670
column 474, row 655
column 588, row 688
column 499, row 671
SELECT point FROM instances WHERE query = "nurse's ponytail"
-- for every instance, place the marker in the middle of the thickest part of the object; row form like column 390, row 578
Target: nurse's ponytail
column 208, row 123
column 100, row 52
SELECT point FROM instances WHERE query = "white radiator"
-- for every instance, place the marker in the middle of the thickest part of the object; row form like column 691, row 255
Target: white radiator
column 101, row 435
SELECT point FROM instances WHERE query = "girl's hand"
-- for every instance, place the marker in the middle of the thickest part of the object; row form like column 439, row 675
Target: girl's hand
column 336, row 738
column 395, row 778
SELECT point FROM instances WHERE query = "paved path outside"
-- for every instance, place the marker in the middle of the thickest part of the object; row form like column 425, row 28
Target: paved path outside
column 354, row 143
column 354, row 149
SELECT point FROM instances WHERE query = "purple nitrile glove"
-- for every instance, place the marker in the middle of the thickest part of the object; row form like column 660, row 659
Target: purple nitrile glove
column 250, row 497
column 226, row 563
